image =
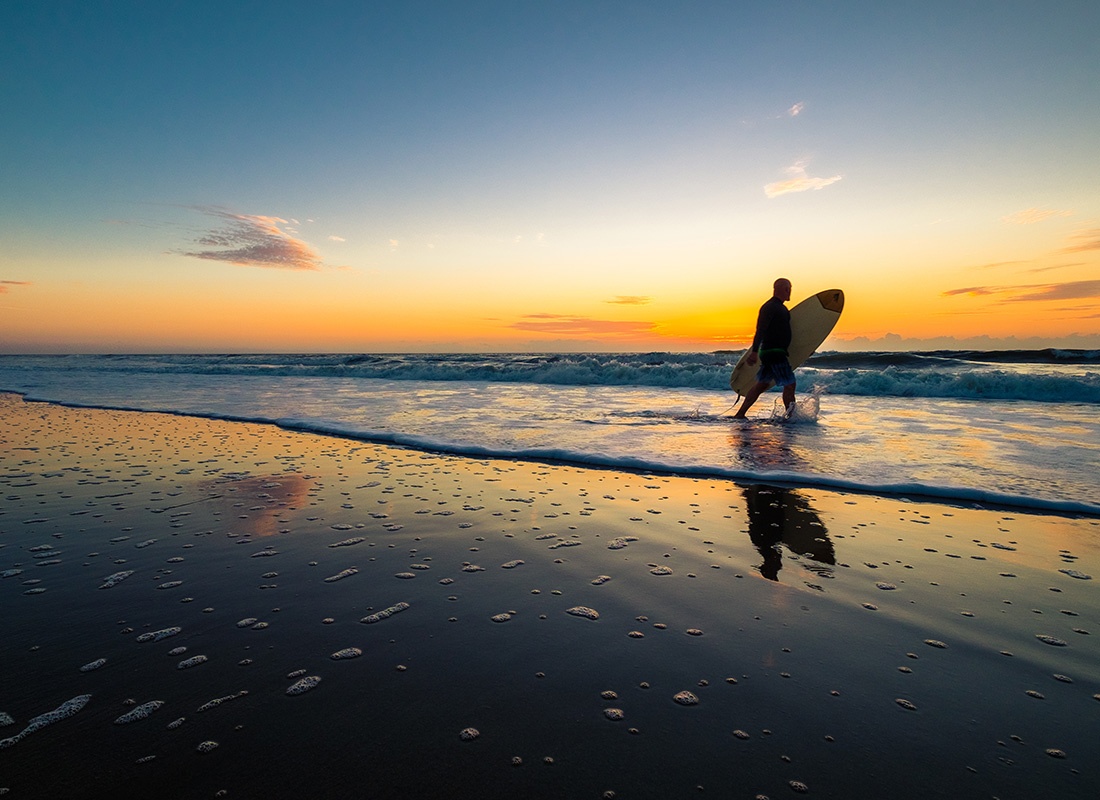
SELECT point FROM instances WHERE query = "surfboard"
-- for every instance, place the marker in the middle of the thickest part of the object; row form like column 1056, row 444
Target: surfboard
column 812, row 321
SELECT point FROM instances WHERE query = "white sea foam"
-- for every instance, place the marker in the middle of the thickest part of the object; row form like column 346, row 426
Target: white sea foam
column 303, row 685
column 140, row 712
column 66, row 709
column 116, row 578
column 385, row 613
column 1031, row 413
column 341, row 575
column 347, row 652
column 156, row 636
column 217, row 701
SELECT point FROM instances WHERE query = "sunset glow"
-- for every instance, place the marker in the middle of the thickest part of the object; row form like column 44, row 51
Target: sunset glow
column 544, row 176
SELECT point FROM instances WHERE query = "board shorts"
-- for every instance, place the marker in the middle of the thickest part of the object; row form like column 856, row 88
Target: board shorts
column 778, row 371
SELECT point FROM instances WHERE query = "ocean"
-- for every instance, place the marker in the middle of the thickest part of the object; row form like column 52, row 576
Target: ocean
column 1015, row 429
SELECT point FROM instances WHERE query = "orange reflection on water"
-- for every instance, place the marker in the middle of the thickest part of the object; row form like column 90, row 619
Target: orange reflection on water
column 260, row 500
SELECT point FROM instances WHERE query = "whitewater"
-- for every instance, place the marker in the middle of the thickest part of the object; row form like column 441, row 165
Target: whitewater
column 1013, row 429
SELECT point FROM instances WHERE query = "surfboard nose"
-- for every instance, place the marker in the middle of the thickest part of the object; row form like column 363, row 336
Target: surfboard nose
column 832, row 299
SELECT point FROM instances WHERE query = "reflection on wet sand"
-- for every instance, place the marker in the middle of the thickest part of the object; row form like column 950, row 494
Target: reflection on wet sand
column 764, row 445
column 780, row 516
column 259, row 500
column 120, row 578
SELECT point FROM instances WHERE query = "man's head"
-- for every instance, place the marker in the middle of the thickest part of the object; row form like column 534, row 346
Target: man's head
column 782, row 289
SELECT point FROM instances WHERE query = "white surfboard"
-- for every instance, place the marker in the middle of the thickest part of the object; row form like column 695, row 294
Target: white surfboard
column 812, row 321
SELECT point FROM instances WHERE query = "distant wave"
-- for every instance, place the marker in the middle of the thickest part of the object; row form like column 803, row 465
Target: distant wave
column 932, row 359
column 1039, row 375
column 960, row 385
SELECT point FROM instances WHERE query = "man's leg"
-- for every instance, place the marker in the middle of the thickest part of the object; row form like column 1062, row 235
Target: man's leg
column 788, row 396
column 758, row 389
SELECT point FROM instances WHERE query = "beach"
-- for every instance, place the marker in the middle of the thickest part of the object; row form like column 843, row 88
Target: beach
column 1016, row 429
column 218, row 608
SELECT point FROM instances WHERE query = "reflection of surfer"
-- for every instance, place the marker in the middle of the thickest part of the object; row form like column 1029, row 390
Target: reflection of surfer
column 782, row 516
column 769, row 346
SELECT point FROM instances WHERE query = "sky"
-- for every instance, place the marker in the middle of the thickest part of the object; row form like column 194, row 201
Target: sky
column 619, row 175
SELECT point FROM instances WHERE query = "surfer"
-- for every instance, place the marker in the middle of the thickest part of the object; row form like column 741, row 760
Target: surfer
column 769, row 347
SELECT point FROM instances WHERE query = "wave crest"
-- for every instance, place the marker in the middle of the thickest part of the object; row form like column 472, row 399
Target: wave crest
column 1059, row 376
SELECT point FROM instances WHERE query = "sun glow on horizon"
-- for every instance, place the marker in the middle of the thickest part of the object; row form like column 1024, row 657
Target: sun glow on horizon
column 501, row 183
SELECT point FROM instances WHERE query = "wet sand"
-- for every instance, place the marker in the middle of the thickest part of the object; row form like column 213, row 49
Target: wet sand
column 176, row 592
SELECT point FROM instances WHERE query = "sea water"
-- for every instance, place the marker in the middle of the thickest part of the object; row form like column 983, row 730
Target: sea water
column 1015, row 428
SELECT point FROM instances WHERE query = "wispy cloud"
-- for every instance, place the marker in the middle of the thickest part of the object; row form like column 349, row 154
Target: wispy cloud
column 1055, row 266
column 975, row 291
column 1074, row 290
column 628, row 300
column 1083, row 241
column 5, row 284
column 1086, row 240
column 536, row 240
column 798, row 181
column 995, row 264
column 253, row 241
column 559, row 324
column 1071, row 290
column 337, row 239
column 1029, row 216
column 791, row 111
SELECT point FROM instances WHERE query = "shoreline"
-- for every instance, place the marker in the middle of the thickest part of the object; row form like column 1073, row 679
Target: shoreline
column 959, row 496
column 798, row 618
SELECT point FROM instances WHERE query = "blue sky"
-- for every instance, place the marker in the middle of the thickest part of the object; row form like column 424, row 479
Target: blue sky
column 461, row 169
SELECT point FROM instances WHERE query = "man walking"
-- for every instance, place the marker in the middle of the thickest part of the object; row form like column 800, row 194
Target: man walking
column 769, row 347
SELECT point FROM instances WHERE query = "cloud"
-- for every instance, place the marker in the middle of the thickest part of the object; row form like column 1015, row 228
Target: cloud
column 628, row 300
column 1029, row 216
column 559, row 324
column 796, row 109
column 337, row 239
column 253, row 241
column 1071, row 290
column 1000, row 264
column 975, row 291
column 798, row 181
column 531, row 240
column 1074, row 290
column 1056, row 266
column 1089, row 240
column 5, row 284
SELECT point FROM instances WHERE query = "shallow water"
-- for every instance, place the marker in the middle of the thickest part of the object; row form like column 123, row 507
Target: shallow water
column 1030, row 454
column 774, row 584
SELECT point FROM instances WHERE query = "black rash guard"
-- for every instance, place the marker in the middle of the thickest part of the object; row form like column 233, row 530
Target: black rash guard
column 773, row 331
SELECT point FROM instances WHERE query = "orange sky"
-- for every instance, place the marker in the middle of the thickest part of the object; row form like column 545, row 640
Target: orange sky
column 504, row 183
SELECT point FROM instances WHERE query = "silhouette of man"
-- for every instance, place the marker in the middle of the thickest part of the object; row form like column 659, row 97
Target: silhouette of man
column 769, row 347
